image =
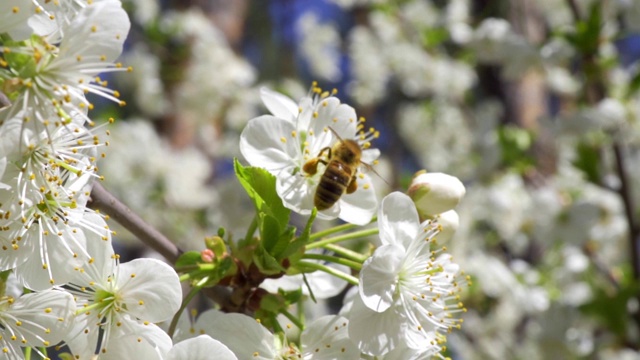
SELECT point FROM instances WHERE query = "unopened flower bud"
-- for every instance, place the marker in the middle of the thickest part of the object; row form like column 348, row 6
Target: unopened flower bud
column 216, row 244
column 207, row 255
column 435, row 193
column 448, row 222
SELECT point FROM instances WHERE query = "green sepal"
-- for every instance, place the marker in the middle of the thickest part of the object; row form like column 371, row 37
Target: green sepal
column 272, row 303
column 293, row 296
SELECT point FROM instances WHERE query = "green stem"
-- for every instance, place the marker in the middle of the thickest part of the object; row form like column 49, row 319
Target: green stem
column 336, row 229
column 337, row 273
column 349, row 236
column 27, row 353
column 293, row 319
column 192, row 293
column 195, row 267
column 334, row 259
column 346, row 253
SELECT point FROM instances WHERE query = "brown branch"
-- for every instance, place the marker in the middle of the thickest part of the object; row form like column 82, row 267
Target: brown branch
column 625, row 192
column 103, row 200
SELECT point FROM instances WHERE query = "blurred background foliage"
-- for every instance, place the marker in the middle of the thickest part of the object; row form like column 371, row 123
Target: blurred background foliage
column 534, row 105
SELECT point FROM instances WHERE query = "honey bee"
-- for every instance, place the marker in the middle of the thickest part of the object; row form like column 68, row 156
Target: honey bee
column 342, row 161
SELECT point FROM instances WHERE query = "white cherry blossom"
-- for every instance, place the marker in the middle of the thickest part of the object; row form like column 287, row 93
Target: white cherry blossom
column 284, row 142
column 40, row 319
column 66, row 64
column 408, row 291
column 122, row 301
column 43, row 200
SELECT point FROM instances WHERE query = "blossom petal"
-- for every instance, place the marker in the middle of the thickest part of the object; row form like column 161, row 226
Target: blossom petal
column 58, row 250
column 375, row 333
column 47, row 315
column 378, row 277
column 358, row 208
column 341, row 117
column 369, row 155
column 398, row 220
column 99, row 29
column 200, row 348
column 328, row 338
column 322, row 285
column 295, row 191
column 241, row 333
column 266, row 142
column 150, row 289
column 281, row 106
column 123, row 348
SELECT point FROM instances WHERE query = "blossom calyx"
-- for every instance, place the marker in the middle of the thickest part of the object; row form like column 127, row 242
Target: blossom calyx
column 435, row 193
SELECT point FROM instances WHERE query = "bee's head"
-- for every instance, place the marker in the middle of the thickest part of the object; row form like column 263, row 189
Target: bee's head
column 348, row 151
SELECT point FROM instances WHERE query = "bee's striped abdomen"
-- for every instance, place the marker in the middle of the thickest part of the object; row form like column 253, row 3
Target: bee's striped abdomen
column 332, row 185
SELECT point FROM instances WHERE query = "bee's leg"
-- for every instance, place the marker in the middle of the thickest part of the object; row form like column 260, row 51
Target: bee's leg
column 353, row 185
column 328, row 150
column 311, row 166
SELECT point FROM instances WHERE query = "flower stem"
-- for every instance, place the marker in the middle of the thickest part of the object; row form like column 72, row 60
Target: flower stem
column 293, row 319
column 337, row 273
column 334, row 259
column 346, row 253
column 336, row 229
column 195, row 267
column 192, row 293
column 349, row 236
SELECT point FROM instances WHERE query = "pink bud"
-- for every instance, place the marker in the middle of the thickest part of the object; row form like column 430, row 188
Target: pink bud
column 207, row 255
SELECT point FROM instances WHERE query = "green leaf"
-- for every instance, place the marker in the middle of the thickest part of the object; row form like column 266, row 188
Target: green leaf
column 284, row 242
column 260, row 185
column 272, row 303
column 634, row 84
column 269, row 232
column 515, row 144
column 266, row 263
column 189, row 258
column 293, row 296
column 611, row 309
column 586, row 37
column 588, row 161
column 302, row 240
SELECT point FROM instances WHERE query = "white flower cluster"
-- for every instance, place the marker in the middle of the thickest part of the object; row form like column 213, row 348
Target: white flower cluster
column 54, row 247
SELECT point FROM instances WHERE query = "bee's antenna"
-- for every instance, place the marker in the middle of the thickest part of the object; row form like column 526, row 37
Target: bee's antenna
column 369, row 167
column 336, row 134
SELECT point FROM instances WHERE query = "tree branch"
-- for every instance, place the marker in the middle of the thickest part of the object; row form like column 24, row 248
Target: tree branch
column 103, row 200
column 625, row 194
